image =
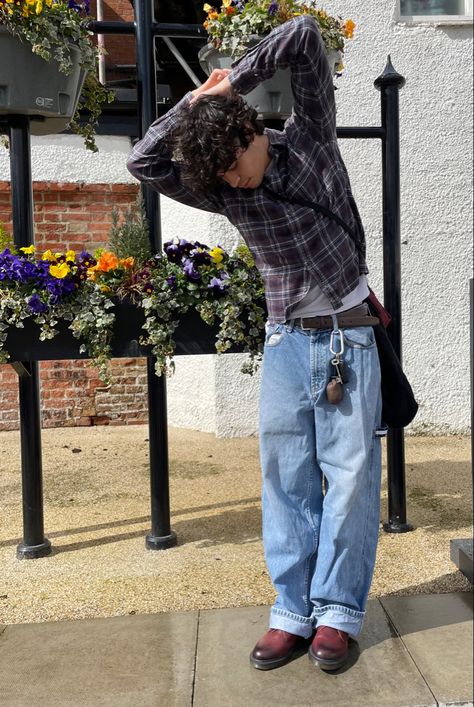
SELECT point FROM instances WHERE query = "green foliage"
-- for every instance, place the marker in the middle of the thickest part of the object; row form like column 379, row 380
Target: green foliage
column 233, row 28
column 129, row 236
column 6, row 239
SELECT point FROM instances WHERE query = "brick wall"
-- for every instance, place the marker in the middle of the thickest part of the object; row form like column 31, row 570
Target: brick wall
column 76, row 216
column 120, row 47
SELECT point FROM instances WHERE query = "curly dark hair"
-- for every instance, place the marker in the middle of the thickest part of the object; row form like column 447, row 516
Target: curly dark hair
column 210, row 132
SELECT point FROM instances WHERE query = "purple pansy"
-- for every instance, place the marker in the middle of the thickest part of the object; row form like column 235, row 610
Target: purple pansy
column 273, row 9
column 199, row 255
column 190, row 271
column 218, row 285
column 36, row 304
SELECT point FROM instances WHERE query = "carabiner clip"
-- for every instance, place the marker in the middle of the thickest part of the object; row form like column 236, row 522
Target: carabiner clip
column 334, row 333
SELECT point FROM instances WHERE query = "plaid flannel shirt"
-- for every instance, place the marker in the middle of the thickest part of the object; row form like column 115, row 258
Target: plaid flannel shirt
column 293, row 246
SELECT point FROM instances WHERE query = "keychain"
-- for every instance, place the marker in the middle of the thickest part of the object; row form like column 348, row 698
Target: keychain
column 334, row 389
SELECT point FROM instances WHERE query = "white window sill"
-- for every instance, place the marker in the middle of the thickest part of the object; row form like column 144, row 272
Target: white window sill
column 435, row 20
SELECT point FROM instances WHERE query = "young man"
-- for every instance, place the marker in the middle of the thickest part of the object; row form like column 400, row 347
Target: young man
column 319, row 538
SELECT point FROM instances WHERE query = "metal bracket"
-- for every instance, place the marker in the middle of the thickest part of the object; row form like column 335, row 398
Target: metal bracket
column 21, row 368
column 177, row 54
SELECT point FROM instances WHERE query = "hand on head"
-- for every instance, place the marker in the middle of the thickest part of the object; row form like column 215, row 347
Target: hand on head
column 216, row 85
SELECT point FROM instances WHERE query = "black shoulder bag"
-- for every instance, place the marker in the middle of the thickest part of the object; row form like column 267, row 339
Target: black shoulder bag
column 399, row 406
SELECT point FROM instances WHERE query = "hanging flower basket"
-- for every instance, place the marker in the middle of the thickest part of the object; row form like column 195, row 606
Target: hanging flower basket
column 272, row 99
column 48, row 66
column 237, row 26
column 190, row 299
column 36, row 87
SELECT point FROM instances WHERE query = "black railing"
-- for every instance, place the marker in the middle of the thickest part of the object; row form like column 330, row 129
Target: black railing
column 161, row 536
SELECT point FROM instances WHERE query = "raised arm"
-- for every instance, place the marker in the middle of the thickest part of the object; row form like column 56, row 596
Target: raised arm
column 296, row 45
column 151, row 162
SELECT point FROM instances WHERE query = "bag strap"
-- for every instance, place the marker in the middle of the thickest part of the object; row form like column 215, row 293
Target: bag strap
column 317, row 207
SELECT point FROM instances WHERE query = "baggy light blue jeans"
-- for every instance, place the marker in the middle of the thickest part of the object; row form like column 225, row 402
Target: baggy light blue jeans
column 320, row 539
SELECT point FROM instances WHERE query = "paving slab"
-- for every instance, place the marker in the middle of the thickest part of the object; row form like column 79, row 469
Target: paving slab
column 125, row 661
column 437, row 631
column 379, row 671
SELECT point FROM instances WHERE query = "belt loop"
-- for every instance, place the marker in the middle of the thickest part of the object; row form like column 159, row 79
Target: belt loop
column 290, row 325
column 335, row 325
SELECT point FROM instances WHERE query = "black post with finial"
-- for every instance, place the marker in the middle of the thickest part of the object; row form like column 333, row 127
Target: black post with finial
column 160, row 536
column 34, row 544
column 389, row 84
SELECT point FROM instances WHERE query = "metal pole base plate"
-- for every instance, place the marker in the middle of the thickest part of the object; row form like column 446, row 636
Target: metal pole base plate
column 395, row 527
column 156, row 542
column 32, row 552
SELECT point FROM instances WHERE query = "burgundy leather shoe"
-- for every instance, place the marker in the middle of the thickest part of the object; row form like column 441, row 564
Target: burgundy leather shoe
column 330, row 648
column 275, row 648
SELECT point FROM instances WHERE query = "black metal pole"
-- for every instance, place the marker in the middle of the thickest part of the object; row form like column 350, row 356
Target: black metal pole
column 34, row 543
column 161, row 536
column 389, row 83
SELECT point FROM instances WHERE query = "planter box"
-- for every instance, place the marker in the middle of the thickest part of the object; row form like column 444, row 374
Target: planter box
column 29, row 85
column 193, row 336
column 272, row 99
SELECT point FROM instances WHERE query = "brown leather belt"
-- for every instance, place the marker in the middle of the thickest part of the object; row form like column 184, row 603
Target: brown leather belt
column 357, row 316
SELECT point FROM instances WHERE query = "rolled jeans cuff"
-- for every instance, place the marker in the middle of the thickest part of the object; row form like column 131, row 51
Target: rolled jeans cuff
column 339, row 617
column 291, row 623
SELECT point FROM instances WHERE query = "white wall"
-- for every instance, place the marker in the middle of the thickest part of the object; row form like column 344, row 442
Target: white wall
column 209, row 392
column 436, row 192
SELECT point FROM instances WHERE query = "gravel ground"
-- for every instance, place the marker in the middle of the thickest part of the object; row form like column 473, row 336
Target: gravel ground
column 96, row 493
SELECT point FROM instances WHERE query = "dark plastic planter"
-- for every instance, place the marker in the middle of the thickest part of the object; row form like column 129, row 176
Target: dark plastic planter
column 29, row 85
column 272, row 99
column 193, row 336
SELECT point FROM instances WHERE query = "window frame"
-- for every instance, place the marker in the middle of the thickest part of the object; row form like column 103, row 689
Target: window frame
column 465, row 19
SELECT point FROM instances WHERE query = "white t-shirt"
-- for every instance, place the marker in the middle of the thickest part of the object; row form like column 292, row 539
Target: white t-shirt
column 316, row 304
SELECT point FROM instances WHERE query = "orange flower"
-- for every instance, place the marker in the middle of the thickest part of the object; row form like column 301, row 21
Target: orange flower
column 107, row 261
column 230, row 10
column 213, row 15
column 127, row 263
column 349, row 27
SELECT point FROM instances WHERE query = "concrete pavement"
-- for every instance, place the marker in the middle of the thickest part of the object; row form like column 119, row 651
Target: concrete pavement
column 414, row 650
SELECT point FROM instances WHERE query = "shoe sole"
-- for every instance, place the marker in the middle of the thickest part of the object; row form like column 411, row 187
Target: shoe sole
column 270, row 664
column 277, row 662
column 327, row 664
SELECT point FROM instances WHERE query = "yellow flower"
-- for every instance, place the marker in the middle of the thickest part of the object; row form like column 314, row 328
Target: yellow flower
column 216, row 254
column 60, row 270
column 47, row 255
column 207, row 8
column 105, row 288
column 226, row 3
column 70, row 255
column 213, row 15
column 28, row 250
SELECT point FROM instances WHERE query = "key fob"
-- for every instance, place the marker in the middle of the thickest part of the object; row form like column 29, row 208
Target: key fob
column 334, row 391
